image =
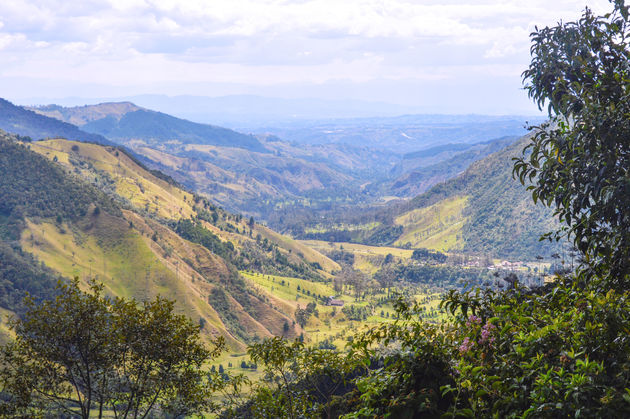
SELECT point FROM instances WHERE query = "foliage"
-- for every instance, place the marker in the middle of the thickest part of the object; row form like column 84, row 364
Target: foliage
column 552, row 354
column 84, row 351
column 43, row 190
column 445, row 276
column 20, row 273
column 413, row 364
column 303, row 314
column 196, row 233
column 579, row 160
column 424, row 254
column 299, row 381
column 219, row 300
column 355, row 312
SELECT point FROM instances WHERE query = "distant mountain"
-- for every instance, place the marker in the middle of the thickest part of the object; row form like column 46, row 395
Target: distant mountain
column 402, row 134
column 243, row 112
column 25, row 122
column 424, row 175
column 125, row 121
column 81, row 115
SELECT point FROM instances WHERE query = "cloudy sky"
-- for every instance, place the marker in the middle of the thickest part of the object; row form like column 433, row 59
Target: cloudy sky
column 453, row 56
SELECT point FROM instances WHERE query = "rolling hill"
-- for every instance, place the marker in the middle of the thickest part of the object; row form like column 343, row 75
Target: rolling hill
column 483, row 210
column 480, row 211
column 124, row 121
column 422, row 169
column 92, row 211
column 28, row 123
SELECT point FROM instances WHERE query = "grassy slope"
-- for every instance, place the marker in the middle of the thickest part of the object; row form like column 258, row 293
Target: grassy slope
column 243, row 180
column 140, row 187
column 311, row 255
column 436, row 227
column 366, row 258
column 132, row 264
column 127, row 262
column 484, row 210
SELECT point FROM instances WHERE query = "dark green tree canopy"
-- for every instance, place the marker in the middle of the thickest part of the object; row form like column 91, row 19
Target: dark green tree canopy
column 579, row 162
column 84, row 353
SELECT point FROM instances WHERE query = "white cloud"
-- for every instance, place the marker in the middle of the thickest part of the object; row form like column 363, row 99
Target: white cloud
column 265, row 42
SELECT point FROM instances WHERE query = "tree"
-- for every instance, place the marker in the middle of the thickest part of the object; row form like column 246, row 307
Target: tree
column 102, row 354
column 579, row 161
column 299, row 381
column 301, row 316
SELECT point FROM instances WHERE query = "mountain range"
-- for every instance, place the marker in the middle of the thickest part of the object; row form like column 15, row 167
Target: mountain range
column 262, row 174
column 290, row 182
column 25, row 122
column 124, row 121
column 483, row 210
column 93, row 211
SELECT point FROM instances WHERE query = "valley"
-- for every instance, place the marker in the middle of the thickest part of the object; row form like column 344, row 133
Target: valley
column 253, row 236
column 317, row 210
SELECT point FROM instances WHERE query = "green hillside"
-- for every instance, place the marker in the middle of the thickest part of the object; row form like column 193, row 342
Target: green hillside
column 78, row 209
column 494, row 215
column 481, row 211
column 418, row 176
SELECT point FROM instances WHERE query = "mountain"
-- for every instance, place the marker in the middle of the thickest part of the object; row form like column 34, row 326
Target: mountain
column 333, row 165
column 419, row 172
column 28, row 123
column 403, row 134
column 81, row 115
column 241, row 173
column 483, row 210
column 92, row 211
column 125, row 121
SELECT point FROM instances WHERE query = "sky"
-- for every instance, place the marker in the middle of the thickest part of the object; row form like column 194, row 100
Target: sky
column 446, row 56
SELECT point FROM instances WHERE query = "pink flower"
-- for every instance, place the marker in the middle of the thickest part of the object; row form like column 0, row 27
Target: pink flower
column 473, row 320
column 466, row 345
column 487, row 333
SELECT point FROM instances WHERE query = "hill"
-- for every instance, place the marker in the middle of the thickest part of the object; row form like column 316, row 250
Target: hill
column 423, row 169
column 125, row 121
column 81, row 115
column 480, row 211
column 27, row 123
column 483, row 210
column 92, row 211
